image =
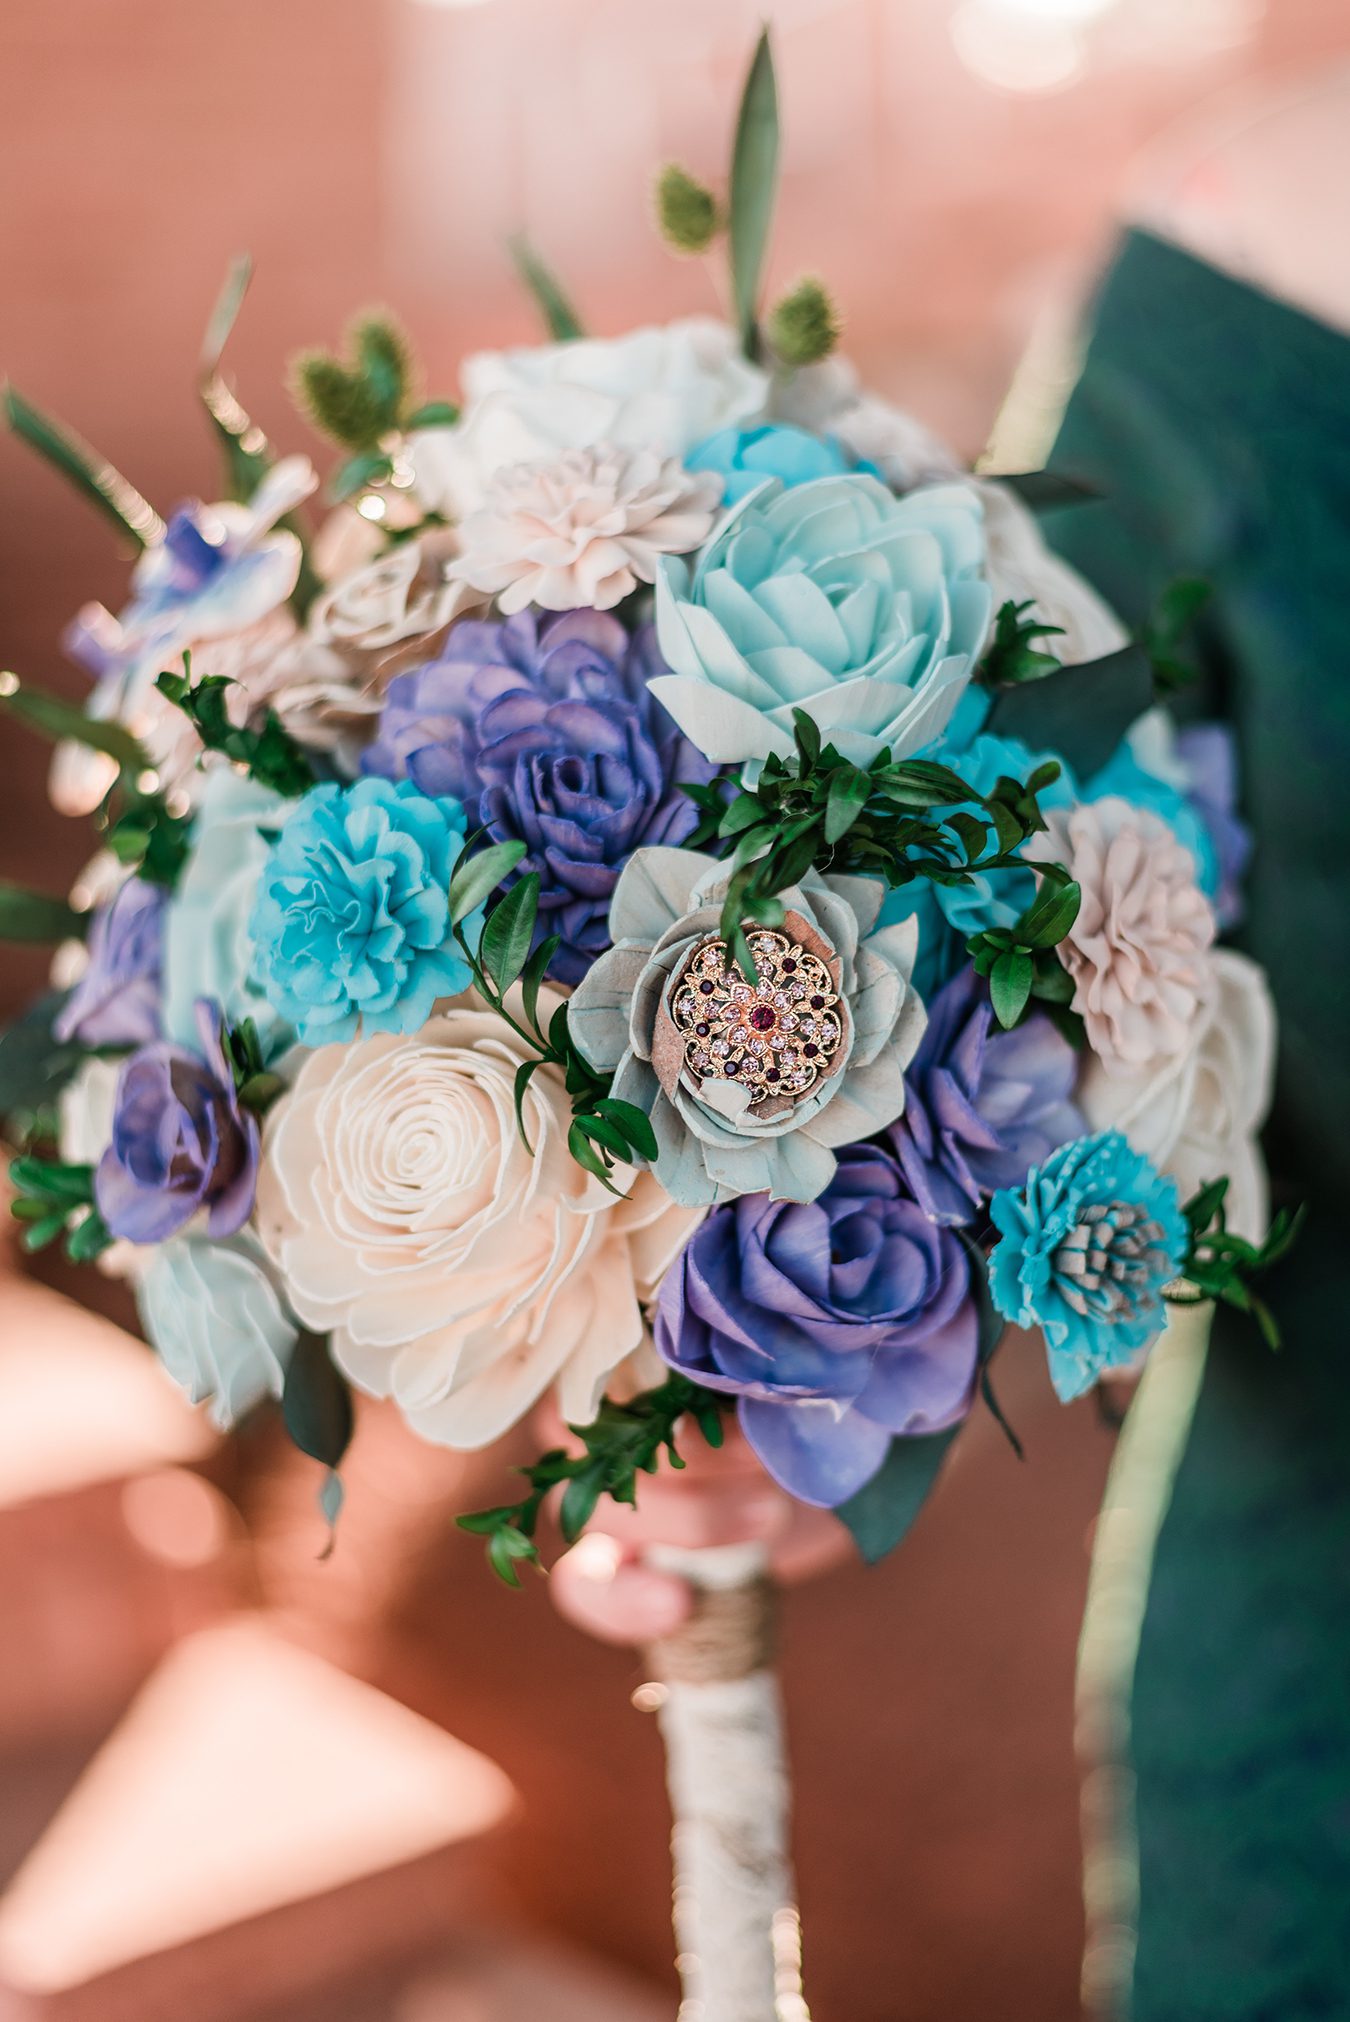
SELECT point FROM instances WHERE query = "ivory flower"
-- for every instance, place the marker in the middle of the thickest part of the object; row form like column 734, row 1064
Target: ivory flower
column 1196, row 1114
column 1023, row 569
column 403, row 594
column 581, row 532
column 829, row 400
column 456, row 1272
column 1139, row 951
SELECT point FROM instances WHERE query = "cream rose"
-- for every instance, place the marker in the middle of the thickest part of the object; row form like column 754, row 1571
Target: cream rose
column 1023, row 569
column 1196, row 1114
column 403, row 594
column 456, row 1272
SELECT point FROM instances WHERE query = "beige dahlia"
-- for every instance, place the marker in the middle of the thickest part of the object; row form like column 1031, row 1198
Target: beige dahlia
column 1139, row 951
column 580, row 530
column 455, row 1271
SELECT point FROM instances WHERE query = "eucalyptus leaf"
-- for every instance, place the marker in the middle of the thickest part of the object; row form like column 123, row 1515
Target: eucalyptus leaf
column 54, row 717
column 880, row 1514
column 754, row 179
column 560, row 318
column 315, row 1401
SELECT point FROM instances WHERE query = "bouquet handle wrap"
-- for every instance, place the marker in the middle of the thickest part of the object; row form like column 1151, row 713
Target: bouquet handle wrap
column 736, row 1928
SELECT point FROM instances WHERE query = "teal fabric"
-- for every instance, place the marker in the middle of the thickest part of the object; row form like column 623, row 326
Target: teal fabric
column 1216, row 421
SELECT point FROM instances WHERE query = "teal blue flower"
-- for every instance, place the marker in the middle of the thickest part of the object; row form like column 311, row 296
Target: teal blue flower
column 1087, row 1245
column 836, row 598
column 351, row 928
column 744, row 457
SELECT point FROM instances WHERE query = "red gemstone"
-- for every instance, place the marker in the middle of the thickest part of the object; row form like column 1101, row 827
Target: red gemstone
column 761, row 1018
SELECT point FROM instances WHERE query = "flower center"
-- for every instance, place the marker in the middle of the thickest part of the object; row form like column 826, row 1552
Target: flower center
column 776, row 1037
column 1109, row 1259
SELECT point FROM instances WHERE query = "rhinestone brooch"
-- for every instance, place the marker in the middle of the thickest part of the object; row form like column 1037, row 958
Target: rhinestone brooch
column 777, row 1037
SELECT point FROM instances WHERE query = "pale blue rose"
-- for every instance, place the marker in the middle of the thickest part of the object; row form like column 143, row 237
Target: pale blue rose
column 833, row 597
column 207, row 948
column 744, row 457
column 212, row 1313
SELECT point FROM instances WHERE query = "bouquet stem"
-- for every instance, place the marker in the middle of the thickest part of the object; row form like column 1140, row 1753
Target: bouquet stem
column 736, row 1927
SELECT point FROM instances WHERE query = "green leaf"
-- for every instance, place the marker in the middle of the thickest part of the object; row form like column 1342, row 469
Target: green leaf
column 560, row 318
column 1010, row 986
column 686, row 211
column 525, row 1073
column 1046, row 923
column 51, row 1180
column 754, row 179
column 509, row 931
column 579, row 1499
column 1043, row 491
column 91, row 474
column 433, row 414
column 585, row 1153
column 633, row 1122
column 1081, row 712
column 88, row 1239
column 532, row 977
column 742, row 813
column 248, row 454
column 315, row 1401
column 369, row 467
column 35, row 916
column 848, row 794
column 601, row 1131
column 385, row 364
column 880, row 1514
column 53, row 717
column 34, row 1064
column 477, row 877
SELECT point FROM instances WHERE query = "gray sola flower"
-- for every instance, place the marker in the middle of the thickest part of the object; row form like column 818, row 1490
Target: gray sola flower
column 750, row 1088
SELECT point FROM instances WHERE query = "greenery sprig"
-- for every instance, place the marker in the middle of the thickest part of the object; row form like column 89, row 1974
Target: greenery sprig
column 624, row 1441
column 603, row 1131
column 52, row 1200
column 1020, row 961
column 366, row 400
column 267, row 751
column 885, row 820
column 1221, row 1266
column 1013, row 655
column 1163, row 636
column 256, row 1086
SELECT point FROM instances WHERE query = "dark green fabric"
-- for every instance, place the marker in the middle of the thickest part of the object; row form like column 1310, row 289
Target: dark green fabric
column 1217, row 422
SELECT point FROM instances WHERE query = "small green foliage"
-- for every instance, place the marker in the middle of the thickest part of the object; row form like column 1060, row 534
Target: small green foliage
column 359, row 400
column 1163, row 637
column 559, row 317
column 624, row 1441
column 1221, row 1266
column 686, row 210
column 1080, row 711
column 1043, row 491
column 1020, row 961
column 34, row 1068
column 803, row 325
column 52, row 1200
column 255, row 1084
column 267, row 751
column 1013, row 654
column 603, row 1132
column 885, row 820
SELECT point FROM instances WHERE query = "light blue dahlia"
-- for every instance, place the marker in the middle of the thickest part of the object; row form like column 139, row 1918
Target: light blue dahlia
column 1087, row 1244
column 351, row 928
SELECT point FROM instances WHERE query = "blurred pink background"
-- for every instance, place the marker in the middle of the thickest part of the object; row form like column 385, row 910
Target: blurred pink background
column 954, row 168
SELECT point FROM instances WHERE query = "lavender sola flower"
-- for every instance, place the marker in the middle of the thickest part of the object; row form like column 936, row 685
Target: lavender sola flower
column 835, row 1324
column 180, row 1142
column 116, row 1002
column 981, row 1107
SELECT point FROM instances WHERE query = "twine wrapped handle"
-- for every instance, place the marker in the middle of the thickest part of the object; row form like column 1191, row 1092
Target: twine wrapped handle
column 735, row 1925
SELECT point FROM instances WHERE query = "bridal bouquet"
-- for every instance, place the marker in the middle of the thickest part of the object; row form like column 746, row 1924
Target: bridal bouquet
column 671, row 900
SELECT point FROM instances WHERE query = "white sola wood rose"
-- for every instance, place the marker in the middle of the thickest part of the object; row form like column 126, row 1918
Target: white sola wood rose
column 457, row 1271
column 1196, row 1114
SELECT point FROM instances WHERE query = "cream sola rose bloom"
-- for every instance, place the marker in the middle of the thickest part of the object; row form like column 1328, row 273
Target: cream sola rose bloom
column 1195, row 1114
column 455, row 1271
column 1022, row 569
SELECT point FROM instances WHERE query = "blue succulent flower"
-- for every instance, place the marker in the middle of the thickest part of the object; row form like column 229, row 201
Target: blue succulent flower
column 744, row 457
column 1086, row 1246
column 351, row 928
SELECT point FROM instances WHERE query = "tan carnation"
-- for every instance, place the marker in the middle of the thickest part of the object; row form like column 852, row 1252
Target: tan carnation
column 1139, row 951
column 582, row 530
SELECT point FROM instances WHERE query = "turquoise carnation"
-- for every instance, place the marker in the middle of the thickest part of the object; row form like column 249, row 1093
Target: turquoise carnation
column 744, row 457
column 351, row 929
column 836, row 598
column 1087, row 1244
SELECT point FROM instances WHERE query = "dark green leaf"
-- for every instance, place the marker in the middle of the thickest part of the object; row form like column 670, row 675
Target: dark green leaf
column 88, row 1239
column 1045, row 490
column 90, row 473
column 633, row 1122
column 579, row 1499
column 1081, row 712
column 532, row 977
column 880, row 1514
column 316, row 1403
column 753, row 188
column 509, row 931
column 849, row 789
column 53, row 717
column 1010, row 986
column 36, row 916
column 1049, row 920
column 433, row 414
column 34, row 1064
column 369, row 467
column 560, row 318
column 585, row 1153
column 477, row 877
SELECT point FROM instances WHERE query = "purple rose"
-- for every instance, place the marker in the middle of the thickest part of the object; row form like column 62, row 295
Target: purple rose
column 1209, row 753
column 836, row 1324
column 981, row 1107
column 116, row 1001
column 180, row 1142
column 546, row 733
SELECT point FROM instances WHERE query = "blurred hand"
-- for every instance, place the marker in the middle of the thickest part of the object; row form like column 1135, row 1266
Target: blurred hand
column 722, row 1497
